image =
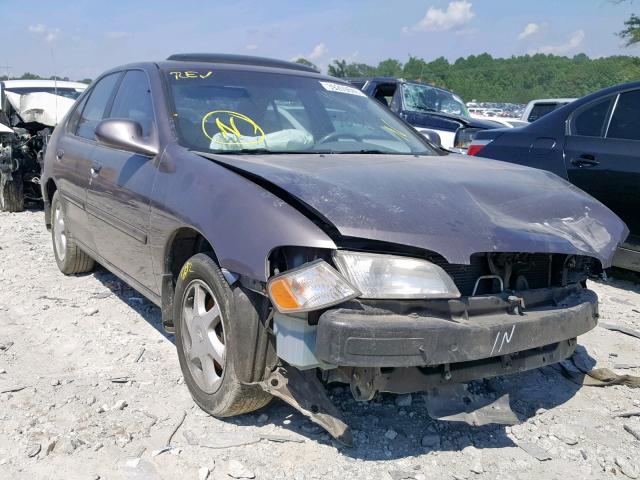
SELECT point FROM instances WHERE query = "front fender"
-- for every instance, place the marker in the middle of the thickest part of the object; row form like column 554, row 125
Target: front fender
column 242, row 221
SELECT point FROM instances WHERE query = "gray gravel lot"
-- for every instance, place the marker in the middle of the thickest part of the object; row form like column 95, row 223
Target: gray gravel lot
column 92, row 389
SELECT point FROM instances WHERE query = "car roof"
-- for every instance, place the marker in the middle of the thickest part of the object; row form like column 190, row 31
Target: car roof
column 230, row 59
column 228, row 62
column 396, row 80
column 552, row 100
column 8, row 84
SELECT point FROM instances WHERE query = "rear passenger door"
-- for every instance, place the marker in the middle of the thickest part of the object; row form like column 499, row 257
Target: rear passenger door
column 602, row 154
column 120, row 187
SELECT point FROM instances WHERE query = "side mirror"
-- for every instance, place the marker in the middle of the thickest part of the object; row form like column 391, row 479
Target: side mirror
column 124, row 134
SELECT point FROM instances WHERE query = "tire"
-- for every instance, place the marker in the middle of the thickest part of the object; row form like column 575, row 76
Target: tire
column 11, row 193
column 69, row 257
column 218, row 355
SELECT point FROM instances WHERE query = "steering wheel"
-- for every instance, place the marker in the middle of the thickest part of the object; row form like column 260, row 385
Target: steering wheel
column 336, row 135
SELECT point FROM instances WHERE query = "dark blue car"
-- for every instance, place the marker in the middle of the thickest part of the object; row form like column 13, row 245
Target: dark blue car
column 438, row 114
column 594, row 143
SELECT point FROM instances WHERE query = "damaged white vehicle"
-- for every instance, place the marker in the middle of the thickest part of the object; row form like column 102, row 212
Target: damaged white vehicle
column 29, row 110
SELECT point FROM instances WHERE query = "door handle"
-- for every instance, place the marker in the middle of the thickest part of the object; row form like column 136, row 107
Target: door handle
column 95, row 169
column 59, row 154
column 585, row 161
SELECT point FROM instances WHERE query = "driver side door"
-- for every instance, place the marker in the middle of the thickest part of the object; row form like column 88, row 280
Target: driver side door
column 120, row 187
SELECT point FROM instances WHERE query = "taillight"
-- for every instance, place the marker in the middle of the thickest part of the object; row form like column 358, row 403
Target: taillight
column 476, row 146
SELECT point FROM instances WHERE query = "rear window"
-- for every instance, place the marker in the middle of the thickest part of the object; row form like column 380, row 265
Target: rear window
column 539, row 110
column 589, row 121
column 625, row 122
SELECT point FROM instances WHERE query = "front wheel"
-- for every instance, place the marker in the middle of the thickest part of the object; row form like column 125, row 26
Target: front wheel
column 213, row 354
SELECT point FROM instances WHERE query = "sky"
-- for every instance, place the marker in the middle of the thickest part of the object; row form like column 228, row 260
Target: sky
column 80, row 39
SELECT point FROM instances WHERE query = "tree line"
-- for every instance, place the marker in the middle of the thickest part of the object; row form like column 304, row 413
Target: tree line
column 482, row 77
column 33, row 76
column 516, row 79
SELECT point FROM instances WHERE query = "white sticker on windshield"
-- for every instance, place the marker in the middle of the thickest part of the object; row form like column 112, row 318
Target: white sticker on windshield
column 336, row 87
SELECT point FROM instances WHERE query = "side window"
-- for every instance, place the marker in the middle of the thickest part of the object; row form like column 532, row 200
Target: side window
column 625, row 122
column 396, row 100
column 589, row 122
column 94, row 109
column 74, row 118
column 133, row 101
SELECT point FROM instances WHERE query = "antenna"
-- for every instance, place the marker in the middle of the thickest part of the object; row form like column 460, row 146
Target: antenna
column 55, row 81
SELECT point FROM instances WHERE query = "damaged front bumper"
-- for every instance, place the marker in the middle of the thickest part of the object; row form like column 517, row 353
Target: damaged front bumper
column 447, row 332
column 429, row 346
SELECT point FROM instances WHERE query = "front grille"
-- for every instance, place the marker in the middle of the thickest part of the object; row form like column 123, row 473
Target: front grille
column 533, row 267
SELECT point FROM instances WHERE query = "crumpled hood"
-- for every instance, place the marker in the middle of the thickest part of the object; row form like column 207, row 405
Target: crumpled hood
column 446, row 121
column 40, row 107
column 453, row 205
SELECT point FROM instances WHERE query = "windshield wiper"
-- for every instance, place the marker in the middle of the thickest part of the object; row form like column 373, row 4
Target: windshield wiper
column 371, row 151
column 250, row 151
column 264, row 151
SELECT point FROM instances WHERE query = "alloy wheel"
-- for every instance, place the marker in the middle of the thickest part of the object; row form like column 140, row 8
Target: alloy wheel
column 59, row 232
column 203, row 336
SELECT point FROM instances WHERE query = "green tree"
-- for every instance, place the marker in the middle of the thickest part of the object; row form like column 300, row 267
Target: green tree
column 29, row 76
column 360, row 70
column 304, row 61
column 414, row 68
column 338, row 68
column 389, row 68
column 631, row 34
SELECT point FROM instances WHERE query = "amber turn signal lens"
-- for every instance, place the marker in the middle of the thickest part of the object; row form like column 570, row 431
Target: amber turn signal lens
column 312, row 286
column 282, row 296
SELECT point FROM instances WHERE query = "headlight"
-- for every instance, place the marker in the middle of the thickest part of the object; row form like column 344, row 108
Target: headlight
column 464, row 137
column 390, row 276
column 312, row 286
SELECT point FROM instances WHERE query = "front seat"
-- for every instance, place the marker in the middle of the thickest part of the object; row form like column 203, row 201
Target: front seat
column 381, row 98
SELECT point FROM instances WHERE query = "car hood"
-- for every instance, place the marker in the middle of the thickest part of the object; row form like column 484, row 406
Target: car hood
column 42, row 108
column 453, row 205
column 446, row 121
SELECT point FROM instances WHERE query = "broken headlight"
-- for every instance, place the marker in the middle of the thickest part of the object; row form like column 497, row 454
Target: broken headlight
column 390, row 276
column 312, row 286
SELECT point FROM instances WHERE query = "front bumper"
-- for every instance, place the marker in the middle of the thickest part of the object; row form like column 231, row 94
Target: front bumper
column 451, row 331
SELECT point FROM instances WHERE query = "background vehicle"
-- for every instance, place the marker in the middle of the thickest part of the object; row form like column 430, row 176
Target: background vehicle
column 593, row 142
column 438, row 114
column 537, row 109
column 295, row 231
column 502, row 122
column 29, row 109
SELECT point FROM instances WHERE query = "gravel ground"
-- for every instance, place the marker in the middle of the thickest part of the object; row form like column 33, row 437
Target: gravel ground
column 99, row 393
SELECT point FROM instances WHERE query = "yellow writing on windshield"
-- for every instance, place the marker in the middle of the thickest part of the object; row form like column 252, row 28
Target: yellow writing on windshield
column 227, row 122
column 190, row 74
column 395, row 131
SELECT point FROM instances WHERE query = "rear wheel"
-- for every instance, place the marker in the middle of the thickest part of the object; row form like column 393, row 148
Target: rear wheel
column 69, row 257
column 11, row 193
column 213, row 355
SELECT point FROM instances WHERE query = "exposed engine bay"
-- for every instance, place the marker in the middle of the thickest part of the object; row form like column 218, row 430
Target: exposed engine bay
column 29, row 111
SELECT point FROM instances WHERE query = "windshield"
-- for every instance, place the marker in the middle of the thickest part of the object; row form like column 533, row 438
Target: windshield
column 259, row 112
column 423, row 98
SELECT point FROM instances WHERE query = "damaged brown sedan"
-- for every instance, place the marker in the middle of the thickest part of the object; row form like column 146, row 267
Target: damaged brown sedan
column 295, row 233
